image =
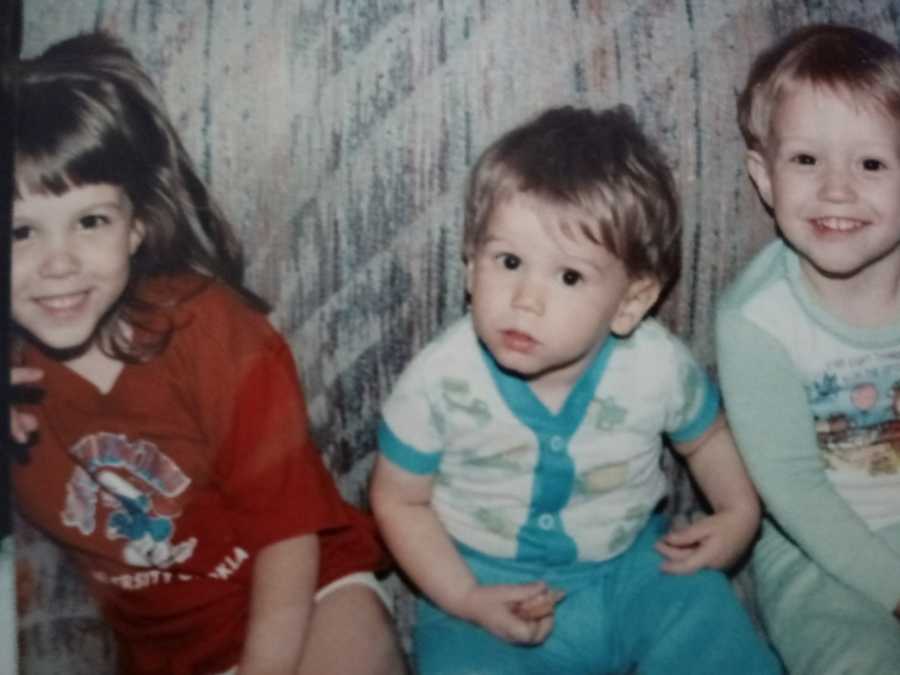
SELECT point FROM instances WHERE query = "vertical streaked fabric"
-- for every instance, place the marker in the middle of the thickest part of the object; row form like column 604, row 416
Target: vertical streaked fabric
column 338, row 134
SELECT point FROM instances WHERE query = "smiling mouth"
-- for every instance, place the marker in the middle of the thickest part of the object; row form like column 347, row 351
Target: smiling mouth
column 62, row 304
column 832, row 224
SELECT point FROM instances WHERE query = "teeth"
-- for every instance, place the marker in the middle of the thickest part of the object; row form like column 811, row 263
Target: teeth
column 62, row 302
column 839, row 224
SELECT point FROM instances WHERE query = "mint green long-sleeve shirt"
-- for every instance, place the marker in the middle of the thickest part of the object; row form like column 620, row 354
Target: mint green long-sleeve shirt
column 814, row 406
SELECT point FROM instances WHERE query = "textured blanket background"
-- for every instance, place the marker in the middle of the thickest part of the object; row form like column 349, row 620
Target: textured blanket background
column 338, row 134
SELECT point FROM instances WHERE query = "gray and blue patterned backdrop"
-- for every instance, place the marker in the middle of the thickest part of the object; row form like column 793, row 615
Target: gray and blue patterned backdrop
column 338, row 134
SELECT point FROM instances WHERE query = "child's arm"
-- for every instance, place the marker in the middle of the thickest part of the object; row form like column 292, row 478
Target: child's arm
column 402, row 504
column 22, row 424
column 719, row 540
column 769, row 412
column 281, row 601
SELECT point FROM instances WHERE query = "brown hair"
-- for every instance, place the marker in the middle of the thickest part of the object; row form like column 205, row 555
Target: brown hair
column 598, row 162
column 87, row 113
column 842, row 58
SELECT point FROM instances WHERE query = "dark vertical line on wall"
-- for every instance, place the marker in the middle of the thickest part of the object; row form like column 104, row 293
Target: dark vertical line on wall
column 698, row 170
column 98, row 14
column 135, row 10
column 442, row 40
column 618, row 51
column 154, row 11
column 205, row 106
column 578, row 77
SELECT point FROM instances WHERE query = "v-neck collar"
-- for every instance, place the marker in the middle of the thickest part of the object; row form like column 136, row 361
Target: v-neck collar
column 530, row 410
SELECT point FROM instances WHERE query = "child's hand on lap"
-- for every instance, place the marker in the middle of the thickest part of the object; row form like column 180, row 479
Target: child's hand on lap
column 521, row 613
column 716, row 542
column 540, row 605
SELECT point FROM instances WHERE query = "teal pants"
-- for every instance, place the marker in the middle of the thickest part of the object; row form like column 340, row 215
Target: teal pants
column 618, row 616
column 818, row 625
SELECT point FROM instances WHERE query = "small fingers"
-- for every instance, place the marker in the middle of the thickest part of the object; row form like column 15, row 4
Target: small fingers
column 539, row 606
column 25, row 375
column 531, row 632
column 21, row 425
column 695, row 561
column 688, row 536
column 674, row 553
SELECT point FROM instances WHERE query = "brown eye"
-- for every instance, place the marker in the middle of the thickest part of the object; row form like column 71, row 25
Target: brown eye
column 510, row 261
column 873, row 164
column 21, row 232
column 92, row 221
column 571, row 277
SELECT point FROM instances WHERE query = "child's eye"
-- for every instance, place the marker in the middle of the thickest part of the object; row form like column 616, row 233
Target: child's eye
column 510, row 261
column 803, row 159
column 571, row 277
column 21, row 232
column 92, row 221
column 872, row 164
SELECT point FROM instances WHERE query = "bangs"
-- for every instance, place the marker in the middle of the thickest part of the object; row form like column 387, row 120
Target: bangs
column 69, row 138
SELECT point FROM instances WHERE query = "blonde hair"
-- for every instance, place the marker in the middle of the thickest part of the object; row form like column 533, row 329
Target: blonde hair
column 844, row 59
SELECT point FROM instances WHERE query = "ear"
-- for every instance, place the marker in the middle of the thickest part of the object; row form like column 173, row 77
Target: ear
column 640, row 296
column 759, row 173
column 470, row 273
column 136, row 236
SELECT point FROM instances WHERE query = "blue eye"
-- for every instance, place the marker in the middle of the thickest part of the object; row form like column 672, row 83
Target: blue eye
column 571, row 277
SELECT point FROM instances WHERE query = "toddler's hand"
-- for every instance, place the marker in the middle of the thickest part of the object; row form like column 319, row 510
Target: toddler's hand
column 497, row 610
column 716, row 541
column 22, row 424
column 539, row 606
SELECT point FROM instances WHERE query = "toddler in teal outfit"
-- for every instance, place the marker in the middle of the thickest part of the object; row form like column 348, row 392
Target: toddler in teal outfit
column 520, row 451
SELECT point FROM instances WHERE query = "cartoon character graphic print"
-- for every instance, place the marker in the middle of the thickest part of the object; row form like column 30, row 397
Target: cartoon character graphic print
column 137, row 485
column 856, row 405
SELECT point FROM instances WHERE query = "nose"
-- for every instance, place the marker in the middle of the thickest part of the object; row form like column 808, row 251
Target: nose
column 528, row 296
column 836, row 185
column 60, row 259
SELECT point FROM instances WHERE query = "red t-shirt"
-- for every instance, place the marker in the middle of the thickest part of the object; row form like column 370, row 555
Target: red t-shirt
column 166, row 487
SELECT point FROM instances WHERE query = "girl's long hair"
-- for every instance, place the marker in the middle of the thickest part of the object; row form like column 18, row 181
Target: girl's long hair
column 87, row 113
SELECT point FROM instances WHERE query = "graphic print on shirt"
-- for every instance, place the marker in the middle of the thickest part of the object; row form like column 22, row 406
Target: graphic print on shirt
column 458, row 398
column 856, row 407
column 137, row 486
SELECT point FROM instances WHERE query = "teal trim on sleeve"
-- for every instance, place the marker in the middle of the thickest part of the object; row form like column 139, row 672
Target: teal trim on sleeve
column 405, row 456
column 705, row 417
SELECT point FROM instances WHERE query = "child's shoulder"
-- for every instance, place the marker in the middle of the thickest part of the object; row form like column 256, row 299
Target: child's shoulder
column 651, row 350
column 192, row 293
column 454, row 350
column 196, row 304
column 766, row 271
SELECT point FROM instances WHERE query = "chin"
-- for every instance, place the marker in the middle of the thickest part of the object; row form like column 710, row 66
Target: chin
column 61, row 347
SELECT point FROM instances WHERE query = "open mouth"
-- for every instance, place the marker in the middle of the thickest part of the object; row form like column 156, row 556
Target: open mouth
column 63, row 304
column 832, row 224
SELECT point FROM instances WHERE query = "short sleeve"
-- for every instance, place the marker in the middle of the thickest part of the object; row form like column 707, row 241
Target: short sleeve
column 695, row 400
column 249, row 396
column 409, row 434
